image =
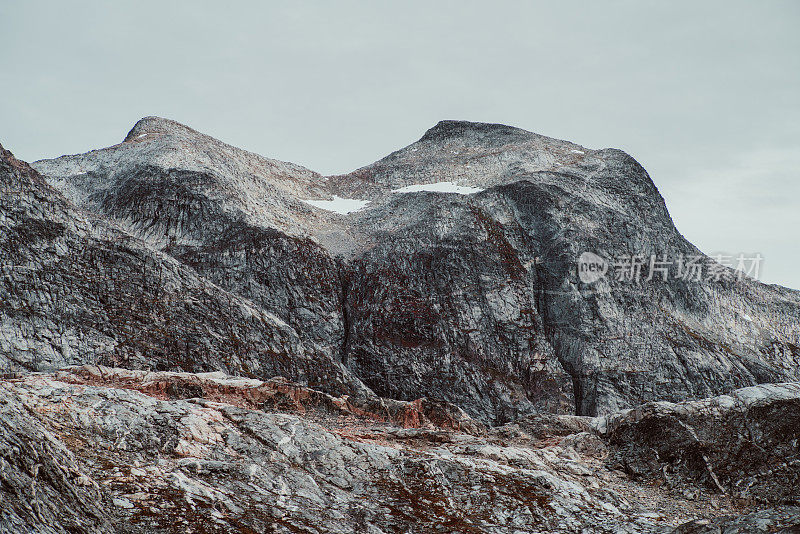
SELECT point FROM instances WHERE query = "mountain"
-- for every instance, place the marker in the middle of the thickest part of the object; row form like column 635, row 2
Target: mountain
column 489, row 330
column 77, row 289
column 472, row 297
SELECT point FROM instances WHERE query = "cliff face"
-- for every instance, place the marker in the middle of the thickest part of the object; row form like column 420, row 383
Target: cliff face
column 457, row 277
column 194, row 338
column 514, row 247
column 77, row 288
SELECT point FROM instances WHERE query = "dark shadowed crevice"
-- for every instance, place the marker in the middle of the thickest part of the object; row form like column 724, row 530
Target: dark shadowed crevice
column 344, row 282
column 550, row 334
column 577, row 386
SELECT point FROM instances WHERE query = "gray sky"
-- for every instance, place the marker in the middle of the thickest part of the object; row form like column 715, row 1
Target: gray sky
column 706, row 95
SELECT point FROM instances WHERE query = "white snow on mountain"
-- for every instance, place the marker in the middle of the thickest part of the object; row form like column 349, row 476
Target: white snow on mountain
column 439, row 187
column 339, row 204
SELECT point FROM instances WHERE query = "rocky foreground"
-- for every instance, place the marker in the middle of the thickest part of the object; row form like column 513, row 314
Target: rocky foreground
column 195, row 338
column 94, row 449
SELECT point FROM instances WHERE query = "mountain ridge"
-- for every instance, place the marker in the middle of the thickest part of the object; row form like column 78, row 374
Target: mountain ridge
column 193, row 336
column 542, row 202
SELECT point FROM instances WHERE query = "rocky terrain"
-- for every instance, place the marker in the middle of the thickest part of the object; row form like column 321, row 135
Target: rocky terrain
column 196, row 338
column 93, row 449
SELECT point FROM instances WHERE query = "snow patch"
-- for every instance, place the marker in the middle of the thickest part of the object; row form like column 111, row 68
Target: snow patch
column 339, row 204
column 747, row 318
column 577, row 151
column 140, row 136
column 439, row 187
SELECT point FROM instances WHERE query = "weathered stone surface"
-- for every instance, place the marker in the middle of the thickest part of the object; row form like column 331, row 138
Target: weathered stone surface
column 75, row 289
column 116, row 448
column 232, row 216
column 746, row 443
column 277, row 394
column 43, row 488
column 783, row 520
column 494, row 275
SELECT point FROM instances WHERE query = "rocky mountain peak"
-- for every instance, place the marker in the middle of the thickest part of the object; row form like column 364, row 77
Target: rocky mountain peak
column 449, row 129
column 8, row 158
column 156, row 126
column 381, row 286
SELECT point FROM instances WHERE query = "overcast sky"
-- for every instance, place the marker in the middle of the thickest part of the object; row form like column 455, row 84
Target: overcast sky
column 706, row 95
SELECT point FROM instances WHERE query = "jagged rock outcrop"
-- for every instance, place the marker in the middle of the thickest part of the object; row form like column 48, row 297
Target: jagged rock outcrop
column 746, row 443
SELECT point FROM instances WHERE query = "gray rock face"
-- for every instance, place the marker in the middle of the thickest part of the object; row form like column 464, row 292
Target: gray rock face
column 746, row 443
column 471, row 297
column 782, row 520
column 89, row 447
column 547, row 201
column 242, row 455
column 42, row 484
column 76, row 289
